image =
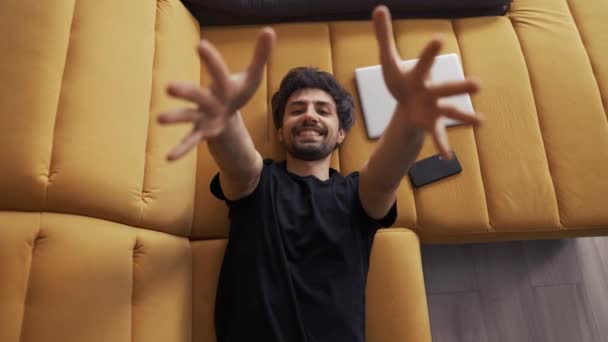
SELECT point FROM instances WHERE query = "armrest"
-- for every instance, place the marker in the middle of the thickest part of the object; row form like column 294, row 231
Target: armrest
column 396, row 306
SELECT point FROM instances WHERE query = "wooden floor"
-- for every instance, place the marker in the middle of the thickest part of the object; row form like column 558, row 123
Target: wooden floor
column 537, row 291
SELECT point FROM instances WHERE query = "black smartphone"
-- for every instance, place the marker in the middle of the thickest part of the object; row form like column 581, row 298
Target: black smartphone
column 432, row 169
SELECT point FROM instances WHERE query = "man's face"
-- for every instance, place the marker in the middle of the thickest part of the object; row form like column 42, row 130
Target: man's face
column 310, row 125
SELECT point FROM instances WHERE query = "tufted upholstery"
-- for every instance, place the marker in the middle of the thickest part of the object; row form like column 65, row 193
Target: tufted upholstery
column 102, row 240
column 544, row 86
column 80, row 81
column 94, row 224
column 534, row 170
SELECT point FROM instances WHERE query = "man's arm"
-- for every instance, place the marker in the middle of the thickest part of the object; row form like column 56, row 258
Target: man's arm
column 240, row 163
column 381, row 175
column 418, row 111
column 217, row 118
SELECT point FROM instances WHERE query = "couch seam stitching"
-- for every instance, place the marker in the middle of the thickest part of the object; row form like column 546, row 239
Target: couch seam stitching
column 142, row 203
column 538, row 120
column 29, row 277
column 54, row 131
column 195, row 195
column 133, row 264
column 483, row 185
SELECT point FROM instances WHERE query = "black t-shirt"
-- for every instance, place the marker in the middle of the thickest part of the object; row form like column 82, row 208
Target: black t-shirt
column 297, row 258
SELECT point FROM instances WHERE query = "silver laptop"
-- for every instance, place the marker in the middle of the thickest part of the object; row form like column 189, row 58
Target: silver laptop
column 378, row 104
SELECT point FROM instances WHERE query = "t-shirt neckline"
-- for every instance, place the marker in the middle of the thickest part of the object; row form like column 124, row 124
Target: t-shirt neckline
column 332, row 172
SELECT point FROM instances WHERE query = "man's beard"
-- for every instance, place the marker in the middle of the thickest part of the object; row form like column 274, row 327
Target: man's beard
column 309, row 151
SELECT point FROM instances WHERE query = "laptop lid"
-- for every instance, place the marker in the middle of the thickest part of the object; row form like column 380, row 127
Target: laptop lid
column 378, row 104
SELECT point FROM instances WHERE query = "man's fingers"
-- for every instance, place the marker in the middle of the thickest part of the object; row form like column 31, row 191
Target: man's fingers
column 193, row 93
column 178, row 115
column 386, row 41
column 427, row 58
column 451, row 88
column 215, row 64
column 186, row 145
column 460, row 115
column 186, row 90
column 440, row 137
column 263, row 50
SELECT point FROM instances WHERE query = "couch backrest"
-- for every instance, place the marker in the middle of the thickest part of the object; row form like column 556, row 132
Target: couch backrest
column 84, row 81
column 82, row 162
column 533, row 170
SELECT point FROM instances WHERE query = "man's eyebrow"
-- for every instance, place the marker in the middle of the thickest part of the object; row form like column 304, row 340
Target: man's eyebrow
column 324, row 103
column 297, row 103
column 304, row 103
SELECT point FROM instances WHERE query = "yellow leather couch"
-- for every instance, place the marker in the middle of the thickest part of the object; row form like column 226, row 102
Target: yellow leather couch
column 102, row 240
column 538, row 168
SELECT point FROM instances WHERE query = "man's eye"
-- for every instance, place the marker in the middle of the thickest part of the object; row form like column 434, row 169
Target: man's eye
column 323, row 112
column 297, row 111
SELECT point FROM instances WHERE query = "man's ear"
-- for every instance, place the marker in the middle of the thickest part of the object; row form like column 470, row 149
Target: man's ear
column 341, row 135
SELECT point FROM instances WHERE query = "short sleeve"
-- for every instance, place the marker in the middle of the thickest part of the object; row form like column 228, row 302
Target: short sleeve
column 216, row 188
column 386, row 221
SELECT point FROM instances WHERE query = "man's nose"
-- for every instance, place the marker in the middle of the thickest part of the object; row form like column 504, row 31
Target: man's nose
column 311, row 115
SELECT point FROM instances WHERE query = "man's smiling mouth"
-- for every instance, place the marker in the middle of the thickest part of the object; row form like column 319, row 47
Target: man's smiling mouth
column 309, row 133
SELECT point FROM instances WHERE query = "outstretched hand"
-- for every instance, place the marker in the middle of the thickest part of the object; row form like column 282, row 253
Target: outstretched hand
column 418, row 102
column 216, row 105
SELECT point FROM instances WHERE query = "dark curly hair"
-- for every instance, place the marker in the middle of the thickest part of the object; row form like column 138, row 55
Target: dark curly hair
column 308, row 77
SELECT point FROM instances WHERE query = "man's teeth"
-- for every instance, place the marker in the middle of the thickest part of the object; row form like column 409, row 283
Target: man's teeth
column 309, row 132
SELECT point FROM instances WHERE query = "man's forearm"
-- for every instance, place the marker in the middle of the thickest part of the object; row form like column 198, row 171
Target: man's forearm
column 234, row 152
column 395, row 153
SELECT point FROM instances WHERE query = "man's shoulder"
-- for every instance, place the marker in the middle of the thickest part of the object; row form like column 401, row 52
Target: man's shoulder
column 351, row 177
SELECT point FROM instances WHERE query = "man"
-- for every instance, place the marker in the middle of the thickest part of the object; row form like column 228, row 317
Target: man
column 296, row 263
